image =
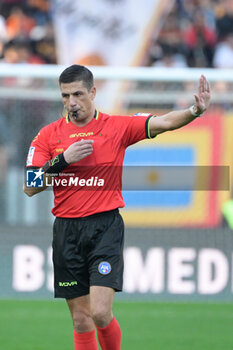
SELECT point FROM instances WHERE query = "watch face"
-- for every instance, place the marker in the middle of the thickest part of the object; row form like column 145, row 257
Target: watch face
column 192, row 110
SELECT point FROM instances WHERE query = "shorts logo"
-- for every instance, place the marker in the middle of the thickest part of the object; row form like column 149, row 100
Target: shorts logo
column 68, row 284
column 104, row 268
column 35, row 178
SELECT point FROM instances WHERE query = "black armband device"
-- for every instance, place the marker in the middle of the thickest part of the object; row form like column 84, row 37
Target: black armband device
column 55, row 165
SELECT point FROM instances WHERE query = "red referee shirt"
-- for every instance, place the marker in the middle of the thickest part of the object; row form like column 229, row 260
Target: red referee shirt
column 111, row 135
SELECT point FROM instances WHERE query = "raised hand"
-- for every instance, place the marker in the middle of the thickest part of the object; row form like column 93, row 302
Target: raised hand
column 202, row 98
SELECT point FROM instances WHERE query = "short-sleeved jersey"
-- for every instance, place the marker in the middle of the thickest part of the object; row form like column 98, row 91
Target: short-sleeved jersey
column 111, row 136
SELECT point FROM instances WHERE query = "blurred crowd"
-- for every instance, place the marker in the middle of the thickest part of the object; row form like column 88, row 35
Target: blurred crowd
column 26, row 32
column 197, row 33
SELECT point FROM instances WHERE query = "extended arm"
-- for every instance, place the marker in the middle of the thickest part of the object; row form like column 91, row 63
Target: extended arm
column 176, row 119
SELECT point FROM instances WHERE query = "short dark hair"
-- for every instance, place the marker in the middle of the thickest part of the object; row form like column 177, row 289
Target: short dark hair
column 77, row 73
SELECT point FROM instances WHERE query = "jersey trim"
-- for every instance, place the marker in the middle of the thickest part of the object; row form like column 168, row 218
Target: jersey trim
column 147, row 125
column 96, row 115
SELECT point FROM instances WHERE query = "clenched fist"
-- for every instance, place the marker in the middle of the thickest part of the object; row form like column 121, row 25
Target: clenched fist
column 78, row 150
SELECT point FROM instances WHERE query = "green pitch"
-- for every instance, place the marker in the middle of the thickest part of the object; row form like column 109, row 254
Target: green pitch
column 46, row 325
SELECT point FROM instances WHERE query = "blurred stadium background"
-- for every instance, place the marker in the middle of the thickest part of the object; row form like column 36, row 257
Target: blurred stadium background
column 146, row 57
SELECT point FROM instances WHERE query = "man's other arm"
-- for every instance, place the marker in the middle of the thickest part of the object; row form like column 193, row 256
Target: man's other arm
column 176, row 119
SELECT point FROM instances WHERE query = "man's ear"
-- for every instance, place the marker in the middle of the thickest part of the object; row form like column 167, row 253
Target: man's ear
column 93, row 92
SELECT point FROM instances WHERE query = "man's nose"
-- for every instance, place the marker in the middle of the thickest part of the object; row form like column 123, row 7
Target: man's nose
column 72, row 101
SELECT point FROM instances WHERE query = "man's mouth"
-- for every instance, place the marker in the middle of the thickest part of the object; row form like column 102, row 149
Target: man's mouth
column 74, row 114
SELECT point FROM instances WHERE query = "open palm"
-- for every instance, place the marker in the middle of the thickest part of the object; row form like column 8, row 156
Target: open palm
column 202, row 98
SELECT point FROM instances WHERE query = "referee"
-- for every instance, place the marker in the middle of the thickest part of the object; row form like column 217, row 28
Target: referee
column 88, row 233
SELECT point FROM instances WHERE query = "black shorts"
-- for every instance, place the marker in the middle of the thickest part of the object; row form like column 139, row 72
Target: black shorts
column 88, row 252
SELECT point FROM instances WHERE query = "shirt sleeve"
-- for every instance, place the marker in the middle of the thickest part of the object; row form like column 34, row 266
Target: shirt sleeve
column 136, row 128
column 39, row 152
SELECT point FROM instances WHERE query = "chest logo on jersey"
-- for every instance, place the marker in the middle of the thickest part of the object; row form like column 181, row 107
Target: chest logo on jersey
column 81, row 134
column 59, row 150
